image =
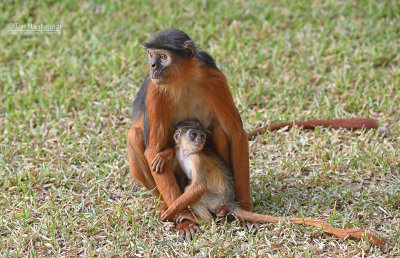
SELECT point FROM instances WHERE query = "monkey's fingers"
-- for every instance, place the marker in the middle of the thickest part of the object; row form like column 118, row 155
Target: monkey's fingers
column 158, row 167
column 221, row 220
column 161, row 166
column 185, row 215
column 187, row 229
column 165, row 215
column 191, row 232
column 251, row 226
column 158, row 163
column 162, row 209
column 153, row 164
column 257, row 226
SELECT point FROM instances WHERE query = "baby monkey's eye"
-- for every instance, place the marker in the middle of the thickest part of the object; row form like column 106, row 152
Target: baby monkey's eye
column 163, row 57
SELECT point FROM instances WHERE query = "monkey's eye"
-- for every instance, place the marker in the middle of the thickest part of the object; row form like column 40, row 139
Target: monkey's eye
column 193, row 135
column 150, row 54
column 163, row 57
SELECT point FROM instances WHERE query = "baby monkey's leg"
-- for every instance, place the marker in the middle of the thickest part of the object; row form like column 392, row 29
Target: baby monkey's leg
column 201, row 210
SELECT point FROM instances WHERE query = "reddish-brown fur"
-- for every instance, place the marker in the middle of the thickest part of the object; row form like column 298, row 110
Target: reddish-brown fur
column 351, row 124
column 161, row 102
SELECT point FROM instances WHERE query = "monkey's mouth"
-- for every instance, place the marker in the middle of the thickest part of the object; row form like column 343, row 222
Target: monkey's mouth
column 158, row 77
column 158, row 80
column 198, row 145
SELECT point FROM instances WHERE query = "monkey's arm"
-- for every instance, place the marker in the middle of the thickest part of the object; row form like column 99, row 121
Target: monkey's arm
column 157, row 137
column 194, row 191
column 158, row 162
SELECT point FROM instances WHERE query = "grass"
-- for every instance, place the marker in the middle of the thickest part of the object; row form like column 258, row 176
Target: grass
column 65, row 105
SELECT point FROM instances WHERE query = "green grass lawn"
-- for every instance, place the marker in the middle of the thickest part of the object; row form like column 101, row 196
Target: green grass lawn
column 65, row 103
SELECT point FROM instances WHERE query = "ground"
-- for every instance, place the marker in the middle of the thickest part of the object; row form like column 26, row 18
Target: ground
column 65, row 103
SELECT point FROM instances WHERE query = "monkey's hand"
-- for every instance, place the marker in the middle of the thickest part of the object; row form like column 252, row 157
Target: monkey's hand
column 186, row 224
column 161, row 209
column 167, row 214
column 158, row 162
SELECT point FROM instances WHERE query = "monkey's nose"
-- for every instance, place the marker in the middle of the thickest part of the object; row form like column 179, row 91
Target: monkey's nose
column 153, row 66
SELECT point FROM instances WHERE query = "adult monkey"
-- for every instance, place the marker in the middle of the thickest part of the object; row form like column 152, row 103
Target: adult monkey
column 184, row 83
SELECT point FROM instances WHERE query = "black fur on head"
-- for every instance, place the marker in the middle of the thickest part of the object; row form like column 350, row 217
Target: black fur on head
column 173, row 40
column 192, row 123
column 181, row 44
column 184, row 126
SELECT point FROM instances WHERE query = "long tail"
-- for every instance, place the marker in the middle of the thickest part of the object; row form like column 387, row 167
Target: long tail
column 342, row 233
column 351, row 124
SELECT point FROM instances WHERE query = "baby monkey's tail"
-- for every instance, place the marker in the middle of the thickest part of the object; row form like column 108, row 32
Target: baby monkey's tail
column 342, row 233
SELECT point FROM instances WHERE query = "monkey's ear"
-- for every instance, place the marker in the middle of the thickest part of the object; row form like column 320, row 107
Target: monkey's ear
column 189, row 46
column 177, row 136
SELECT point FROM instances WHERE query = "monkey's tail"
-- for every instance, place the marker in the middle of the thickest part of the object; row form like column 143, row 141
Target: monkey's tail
column 342, row 233
column 350, row 123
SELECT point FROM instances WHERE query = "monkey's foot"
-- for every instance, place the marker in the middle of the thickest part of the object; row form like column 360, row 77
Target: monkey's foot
column 186, row 224
column 221, row 212
column 252, row 226
column 187, row 229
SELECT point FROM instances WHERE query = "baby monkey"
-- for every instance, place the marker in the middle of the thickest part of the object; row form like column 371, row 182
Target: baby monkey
column 211, row 189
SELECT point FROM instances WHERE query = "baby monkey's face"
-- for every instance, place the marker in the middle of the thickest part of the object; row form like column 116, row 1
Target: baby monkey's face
column 196, row 138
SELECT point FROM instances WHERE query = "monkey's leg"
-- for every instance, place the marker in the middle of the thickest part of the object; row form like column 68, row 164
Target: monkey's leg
column 201, row 210
column 193, row 193
column 239, row 159
column 138, row 167
column 240, row 165
column 221, row 144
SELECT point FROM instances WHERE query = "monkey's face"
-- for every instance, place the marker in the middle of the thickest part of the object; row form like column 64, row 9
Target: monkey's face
column 197, row 139
column 192, row 139
column 162, row 63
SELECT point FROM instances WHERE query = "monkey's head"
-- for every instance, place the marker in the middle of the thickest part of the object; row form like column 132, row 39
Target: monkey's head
column 166, row 55
column 190, row 135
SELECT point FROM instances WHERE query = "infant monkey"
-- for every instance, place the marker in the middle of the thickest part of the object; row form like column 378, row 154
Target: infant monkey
column 211, row 189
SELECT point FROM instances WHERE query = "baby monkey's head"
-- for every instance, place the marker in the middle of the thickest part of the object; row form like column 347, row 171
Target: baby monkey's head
column 190, row 135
